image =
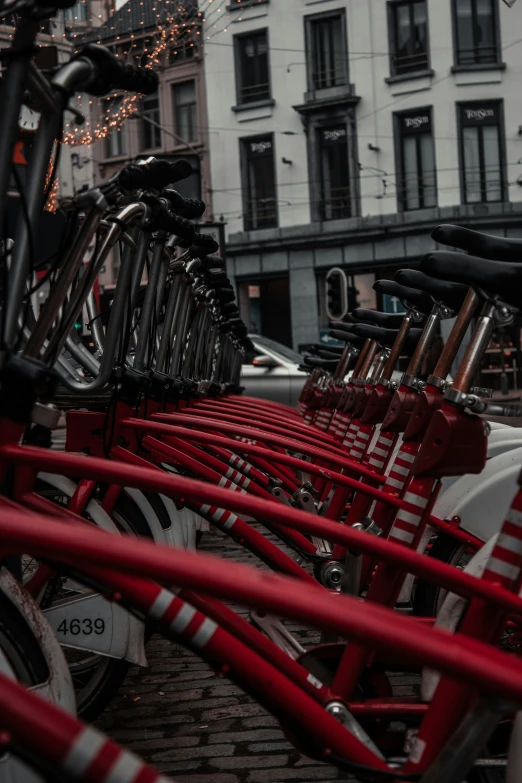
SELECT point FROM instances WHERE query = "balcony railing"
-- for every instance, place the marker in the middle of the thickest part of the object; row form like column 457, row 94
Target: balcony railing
column 408, row 63
column 255, row 92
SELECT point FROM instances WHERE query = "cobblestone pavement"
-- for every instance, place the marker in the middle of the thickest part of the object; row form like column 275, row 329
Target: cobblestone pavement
column 195, row 725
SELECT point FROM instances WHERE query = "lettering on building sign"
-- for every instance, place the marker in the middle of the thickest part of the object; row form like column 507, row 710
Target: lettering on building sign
column 479, row 114
column 334, row 135
column 260, row 146
column 416, row 122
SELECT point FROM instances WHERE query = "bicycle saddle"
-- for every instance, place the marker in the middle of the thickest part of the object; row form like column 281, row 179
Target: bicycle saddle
column 412, row 296
column 327, row 354
column 483, row 245
column 387, row 320
column 450, row 294
column 347, row 321
column 315, row 350
column 324, row 364
column 347, row 336
column 496, row 277
column 386, row 337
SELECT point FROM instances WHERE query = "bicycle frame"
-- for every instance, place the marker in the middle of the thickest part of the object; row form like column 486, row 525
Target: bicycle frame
column 461, row 658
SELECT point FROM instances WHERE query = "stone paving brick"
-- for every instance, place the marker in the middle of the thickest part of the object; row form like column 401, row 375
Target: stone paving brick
column 281, row 774
column 248, row 762
column 180, row 754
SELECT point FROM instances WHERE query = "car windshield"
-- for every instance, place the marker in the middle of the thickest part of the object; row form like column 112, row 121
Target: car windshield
column 283, row 350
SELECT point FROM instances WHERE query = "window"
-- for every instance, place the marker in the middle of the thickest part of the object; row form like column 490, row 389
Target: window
column 184, row 51
column 481, row 152
column 259, row 192
column 416, row 158
column 115, row 144
column 252, row 70
column 185, row 114
column 408, row 36
column 150, row 133
column 327, row 57
column 76, row 14
column 475, row 32
column 335, row 191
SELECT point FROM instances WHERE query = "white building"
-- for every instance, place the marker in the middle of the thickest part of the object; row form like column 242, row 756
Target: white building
column 342, row 131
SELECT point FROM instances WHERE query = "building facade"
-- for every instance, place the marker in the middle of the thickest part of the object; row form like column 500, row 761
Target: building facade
column 171, row 124
column 342, row 131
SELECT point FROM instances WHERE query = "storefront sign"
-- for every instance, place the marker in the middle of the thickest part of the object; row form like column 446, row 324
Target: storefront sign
column 477, row 114
column 420, row 122
column 257, row 147
column 333, row 135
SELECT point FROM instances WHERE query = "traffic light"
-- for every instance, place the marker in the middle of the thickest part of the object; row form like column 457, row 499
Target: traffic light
column 336, row 294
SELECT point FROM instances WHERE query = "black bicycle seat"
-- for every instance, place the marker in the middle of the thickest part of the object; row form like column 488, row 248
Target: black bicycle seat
column 346, row 336
column 412, row 296
column 482, row 245
column 347, row 321
column 450, row 294
column 325, row 364
column 387, row 320
column 495, row 277
column 386, row 337
column 326, row 353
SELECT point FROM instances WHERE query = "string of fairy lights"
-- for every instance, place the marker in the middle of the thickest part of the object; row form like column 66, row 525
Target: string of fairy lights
column 169, row 27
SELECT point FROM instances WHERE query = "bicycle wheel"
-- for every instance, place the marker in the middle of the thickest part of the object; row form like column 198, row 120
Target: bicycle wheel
column 96, row 678
column 30, row 654
column 428, row 597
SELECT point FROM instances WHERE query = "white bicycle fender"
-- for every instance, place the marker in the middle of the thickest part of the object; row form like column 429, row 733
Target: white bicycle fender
column 498, row 425
column 174, row 533
column 504, row 440
column 499, row 441
column 482, row 501
column 133, row 629
column 158, row 534
column 188, row 521
column 451, row 612
column 59, row 688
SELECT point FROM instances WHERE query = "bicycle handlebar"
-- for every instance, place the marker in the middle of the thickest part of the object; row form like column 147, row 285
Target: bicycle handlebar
column 109, row 74
column 203, row 244
column 190, row 208
column 155, row 174
column 210, row 263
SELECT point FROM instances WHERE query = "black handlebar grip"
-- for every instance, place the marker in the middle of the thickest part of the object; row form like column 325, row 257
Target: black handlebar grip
column 134, row 79
column 229, row 309
column 225, row 295
column 155, row 174
column 111, row 75
column 207, row 242
column 217, row 279
column 162, row 220
column 180, row 227
column 212, row 262
column 190, row 208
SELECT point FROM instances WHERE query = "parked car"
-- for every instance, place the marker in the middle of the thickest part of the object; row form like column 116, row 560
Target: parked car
column 271, row 371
